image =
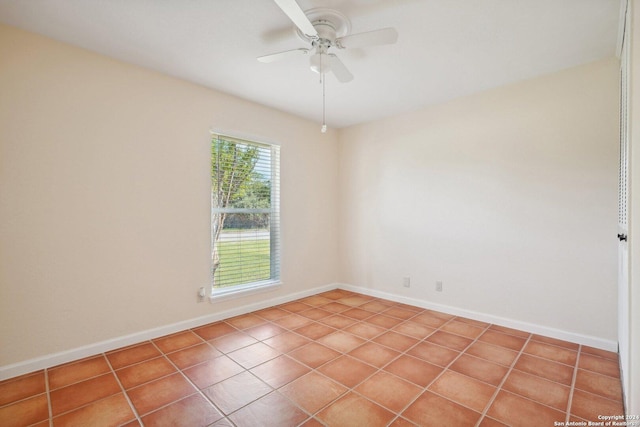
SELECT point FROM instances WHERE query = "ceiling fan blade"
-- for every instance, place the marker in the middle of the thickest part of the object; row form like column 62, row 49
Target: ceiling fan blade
column 293, row 11
column 339, row 70
column 370, row 38
column 281, row 55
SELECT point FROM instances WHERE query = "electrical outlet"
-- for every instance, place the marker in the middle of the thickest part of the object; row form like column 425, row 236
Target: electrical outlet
column 406, row 282
column 201, row 294
column 438, row 286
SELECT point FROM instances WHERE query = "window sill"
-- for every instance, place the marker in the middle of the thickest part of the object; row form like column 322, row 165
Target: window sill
column 243, row 290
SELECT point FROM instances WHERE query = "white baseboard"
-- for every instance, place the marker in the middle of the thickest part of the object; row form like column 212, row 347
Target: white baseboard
column 50, row 360
column 588, row 340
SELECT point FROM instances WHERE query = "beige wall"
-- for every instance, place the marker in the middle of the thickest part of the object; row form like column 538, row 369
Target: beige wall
column 509, row 197
column 104, row 197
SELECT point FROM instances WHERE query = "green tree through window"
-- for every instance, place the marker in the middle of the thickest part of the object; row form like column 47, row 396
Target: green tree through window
column 245, row 212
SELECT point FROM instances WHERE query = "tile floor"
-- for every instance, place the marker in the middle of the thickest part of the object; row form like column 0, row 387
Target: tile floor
column 335, row 359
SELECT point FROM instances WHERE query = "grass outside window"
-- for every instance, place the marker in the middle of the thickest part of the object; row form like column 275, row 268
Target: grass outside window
column 243, row 262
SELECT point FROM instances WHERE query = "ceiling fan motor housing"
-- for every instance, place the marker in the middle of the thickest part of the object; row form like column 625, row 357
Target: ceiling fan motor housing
column 329, row 23
column 319, row 62
column 326, row 31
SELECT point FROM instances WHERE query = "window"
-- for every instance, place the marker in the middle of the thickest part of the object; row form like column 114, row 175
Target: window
column 245, row 220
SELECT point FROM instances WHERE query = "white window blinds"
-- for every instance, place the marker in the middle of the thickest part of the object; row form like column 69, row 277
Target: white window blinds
column 245, row 219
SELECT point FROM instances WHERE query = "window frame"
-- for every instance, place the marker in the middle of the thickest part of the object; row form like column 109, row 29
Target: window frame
column 274, row 281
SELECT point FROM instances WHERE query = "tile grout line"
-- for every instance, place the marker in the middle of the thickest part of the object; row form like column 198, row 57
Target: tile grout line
column 331, row 402
column 499, row 386
column 255, row 400
column 84, row 405
column 546, row 379
column 317, row 372
column 78, row 381
column 311, row 370
column 276, row 389
column 312, row 415
column 245, row 370
column 573, row 385
column 366, row 340
column 378, row 369
column 124, row 392
column 460, row 353
column 198, row 391
column 48, row 390
column 412, row 401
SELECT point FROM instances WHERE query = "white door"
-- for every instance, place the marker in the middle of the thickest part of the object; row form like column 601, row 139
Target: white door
column 623, row 193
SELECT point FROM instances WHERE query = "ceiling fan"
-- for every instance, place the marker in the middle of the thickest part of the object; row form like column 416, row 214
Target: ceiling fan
column 325, row 29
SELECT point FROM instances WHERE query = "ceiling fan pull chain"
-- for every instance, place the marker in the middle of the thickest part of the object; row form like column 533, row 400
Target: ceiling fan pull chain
column 323, row 129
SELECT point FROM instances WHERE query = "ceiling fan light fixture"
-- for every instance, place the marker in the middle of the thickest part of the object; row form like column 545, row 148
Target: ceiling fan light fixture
column 319, row 63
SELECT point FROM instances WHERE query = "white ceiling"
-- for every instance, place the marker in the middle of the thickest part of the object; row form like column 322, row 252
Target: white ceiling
column 446, row 48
